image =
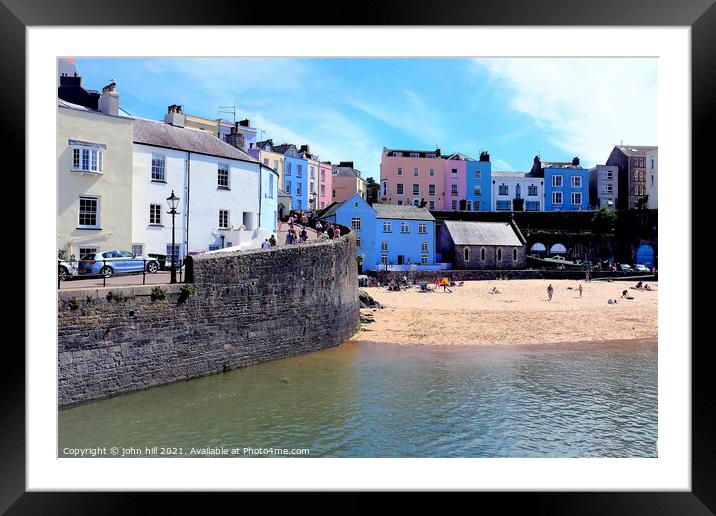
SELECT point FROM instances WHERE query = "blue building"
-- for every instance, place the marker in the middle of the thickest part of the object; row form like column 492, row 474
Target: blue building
column 478, row 184
column 295, row 175
column 566, row 184
column 389, row 236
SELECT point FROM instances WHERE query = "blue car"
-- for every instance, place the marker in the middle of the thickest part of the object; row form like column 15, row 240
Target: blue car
column 109, row 263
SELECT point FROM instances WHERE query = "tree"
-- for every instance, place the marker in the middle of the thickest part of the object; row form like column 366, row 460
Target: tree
column 603, row 221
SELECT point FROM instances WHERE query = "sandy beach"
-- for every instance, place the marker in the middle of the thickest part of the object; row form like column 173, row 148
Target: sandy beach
column 520, row 314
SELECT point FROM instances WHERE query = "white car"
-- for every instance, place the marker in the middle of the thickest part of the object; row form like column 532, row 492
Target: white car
column 66, row 269
column 638, row 267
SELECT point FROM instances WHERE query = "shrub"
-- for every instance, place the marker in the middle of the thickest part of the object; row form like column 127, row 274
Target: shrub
column 116, row 296
column 158, row 293
column 186, row 290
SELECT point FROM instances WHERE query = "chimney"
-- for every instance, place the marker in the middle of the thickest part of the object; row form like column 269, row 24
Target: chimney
column 348, row 164
column 236, row 139
column 175, row 116
column 245, row 123
column 306, row 148
column 109, row 100
column 484, row 156
column 575, row 161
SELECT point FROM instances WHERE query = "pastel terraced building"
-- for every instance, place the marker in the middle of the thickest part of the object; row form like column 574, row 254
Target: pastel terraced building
column 478, row 184
column 347, row 181
column 264, row 152
column 295, row 175
column 325, row 184
column 566, row 184
column 516, row 191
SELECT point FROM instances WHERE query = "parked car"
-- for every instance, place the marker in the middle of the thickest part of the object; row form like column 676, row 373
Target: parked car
column 108, row 263
column 165, row 261
column 624, row 267
column 638, row 267
column 66, row 269
column 587, row 265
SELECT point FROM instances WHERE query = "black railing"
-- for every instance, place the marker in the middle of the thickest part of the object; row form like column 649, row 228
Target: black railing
column 71, row 269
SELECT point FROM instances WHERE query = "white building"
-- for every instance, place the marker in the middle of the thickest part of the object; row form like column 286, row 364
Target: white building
column 517, row 191
column 227, row 198
column 652, row 177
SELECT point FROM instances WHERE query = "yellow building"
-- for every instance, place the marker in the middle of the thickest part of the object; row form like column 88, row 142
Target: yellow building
column 269, row 158
column 94, row 177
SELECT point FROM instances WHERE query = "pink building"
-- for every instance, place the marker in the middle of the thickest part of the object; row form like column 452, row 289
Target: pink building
column 454, row 181
column 413, row 176
column 325, row 184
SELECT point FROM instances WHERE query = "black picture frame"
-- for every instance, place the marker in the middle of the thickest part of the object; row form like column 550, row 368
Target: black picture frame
column 17, row 15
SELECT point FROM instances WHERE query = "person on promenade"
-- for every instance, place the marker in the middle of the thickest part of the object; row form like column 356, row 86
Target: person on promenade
column 304, row 234
column 329, row 230
column 336, row 232
column 266, row 244
column 304, row 220
column 580, row 291
column 445, row 284
column 272, row 241
column 319, row 229
column 288, row 237
column 550, row 291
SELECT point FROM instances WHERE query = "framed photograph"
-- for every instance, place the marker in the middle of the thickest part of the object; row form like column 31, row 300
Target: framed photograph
column 413, row 252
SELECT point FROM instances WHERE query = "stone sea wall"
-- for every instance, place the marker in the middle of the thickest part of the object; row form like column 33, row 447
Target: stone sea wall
column 245, row 308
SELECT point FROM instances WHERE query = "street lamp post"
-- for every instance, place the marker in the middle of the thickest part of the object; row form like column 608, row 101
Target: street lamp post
column 173, row 202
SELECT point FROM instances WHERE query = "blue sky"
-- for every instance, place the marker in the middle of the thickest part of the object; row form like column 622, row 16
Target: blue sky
column 349, row 109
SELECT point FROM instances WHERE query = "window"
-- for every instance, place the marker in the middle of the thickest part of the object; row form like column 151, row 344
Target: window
column 384, row 246
column 454, row 205
column 155, row 214
column 299, row 170
column 431, row 189
column 88, row 212
column 498, row 255
column 213, row 247
column 387, row 228
column 532, row 190
column 414, row 155
column 223, row 219
column 577, row 198
column 466, row 254
column 385, row 188
column 652, row 180
column 503, row 205
column 642, row 162
column 557, row 181
column 416, row 202
column 400, row 171
column 266, row 161
column 652, row 163
column 608, row 176
column 400, row 203
column 138, row 249
column 608, row 188
column 416, row 189
column 404, row 227
column 424, row 259
column 287, row 168
column 422, row 228
column 469, row 206
column 175, row 251
column 88, row 250
column 432, row 171
column 298, row 189
column 503, row 189
column 483, row 254
column 311, row 187
column 158, row 168
column 430, row 155
column 313, row 172
column 275, row 165
column 323, row 190
column 454, row 172
column 223, row 176
column 288, row 187
column 358, row 242
column 384, row 259
column 576, row 182
column 453, row 189
column 477, row 190
column 556, row 197
column 476, row 206
column 416, row 172
column 399, row 189
column 270, row 194
column 87, row 159
column 323, row 175
column 514, row 254
column 432, row 205
column 532, row 206
column 477, row 174
column 424, row 247
column 355, row 223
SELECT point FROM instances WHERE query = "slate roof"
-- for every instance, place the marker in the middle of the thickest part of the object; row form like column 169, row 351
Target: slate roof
column 161, row 134
column 509, row 173
column 636, row 150
column 346, row 172
column 329, row 210
column 482, row 233
column 559, row 164
column 404, row 212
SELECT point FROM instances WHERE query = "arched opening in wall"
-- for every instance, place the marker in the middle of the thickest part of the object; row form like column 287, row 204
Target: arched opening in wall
column 466, row 254
column 482, row 254
column 645, row 255
column 281, row 211
column 557, row 249
column 514, row 254
column 538, row 248
column 498, row 254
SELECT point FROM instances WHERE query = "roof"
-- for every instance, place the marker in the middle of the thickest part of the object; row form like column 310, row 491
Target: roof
column 405, row 212
column 330, row 210
column 509, row 173
column 69, row 105
column 482, row 233
column 458, row 156
column 636, row 150
column 346, row 172
column 559, row 164
column 161, row 134
column 421, row 153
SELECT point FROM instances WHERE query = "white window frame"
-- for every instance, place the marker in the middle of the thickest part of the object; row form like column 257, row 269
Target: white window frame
column 97, row 223
column 502, row 187
column 416, row 172
column 453, row 189
column 422, row 228
column 466, row 254
column 159, row 158
column 477, row 191
column 554, row 198
column 574, row 194
column 532, row 188
column 355, row 223
column 576, row 181
column 399, row 189
column 432, row 205
column 404, row 227
column 94, row 154
column 454, row 205
column 141, row 249
column 424, row 259
column 554, row 181
column 431, row 189
column 227, row 217
column 387, row 227
column 152, row 213
column 424, row 246
column 222, row 168
column 477, row 173
column 384, row 246
column 416, row 191
column 432, row 171
column 400, row 171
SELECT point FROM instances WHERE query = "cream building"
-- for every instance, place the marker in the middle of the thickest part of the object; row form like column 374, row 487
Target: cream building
column 94, row 177
column 347, row 182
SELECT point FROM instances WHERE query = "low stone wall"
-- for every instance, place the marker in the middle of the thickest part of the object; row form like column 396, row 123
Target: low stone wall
column 470, row 275
column 245, row 308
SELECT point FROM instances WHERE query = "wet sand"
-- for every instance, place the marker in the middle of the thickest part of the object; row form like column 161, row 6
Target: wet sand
column 521, row 314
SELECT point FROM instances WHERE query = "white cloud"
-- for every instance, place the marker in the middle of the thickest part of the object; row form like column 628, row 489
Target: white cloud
column 501, row 165
column 584, row 106
column 409, row 114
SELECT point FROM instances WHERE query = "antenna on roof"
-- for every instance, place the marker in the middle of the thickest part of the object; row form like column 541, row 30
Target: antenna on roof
column 228, row 109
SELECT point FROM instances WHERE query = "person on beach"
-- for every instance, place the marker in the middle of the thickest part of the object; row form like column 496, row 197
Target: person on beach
column 550, row 291
column 580, row 291
column 445, row 284
column 495, row 291
column 437, row 281
column 625, row 293
column 588, row 275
